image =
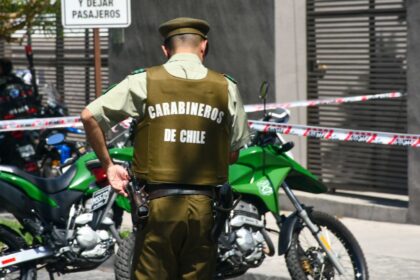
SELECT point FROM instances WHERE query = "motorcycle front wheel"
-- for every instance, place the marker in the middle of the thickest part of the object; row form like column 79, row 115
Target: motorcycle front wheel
column 306, row 260
column 11, row 242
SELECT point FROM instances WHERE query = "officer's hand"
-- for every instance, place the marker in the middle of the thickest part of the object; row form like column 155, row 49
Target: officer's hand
column 118, row 178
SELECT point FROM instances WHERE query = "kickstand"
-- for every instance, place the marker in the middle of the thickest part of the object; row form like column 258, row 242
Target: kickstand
column 51, row 274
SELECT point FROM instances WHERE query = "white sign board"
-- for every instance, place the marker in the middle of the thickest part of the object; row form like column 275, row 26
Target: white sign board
column 96, row 13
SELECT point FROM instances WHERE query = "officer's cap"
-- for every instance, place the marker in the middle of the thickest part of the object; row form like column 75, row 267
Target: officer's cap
column 184, row 25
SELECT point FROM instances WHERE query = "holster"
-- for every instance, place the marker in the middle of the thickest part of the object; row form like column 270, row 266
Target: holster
column 139, row 201
column 222, row 207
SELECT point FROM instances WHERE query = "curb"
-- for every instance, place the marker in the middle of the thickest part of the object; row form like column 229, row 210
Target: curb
column 366, row 206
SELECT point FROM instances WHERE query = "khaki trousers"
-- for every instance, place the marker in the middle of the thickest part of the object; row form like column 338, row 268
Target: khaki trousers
column 175, row 243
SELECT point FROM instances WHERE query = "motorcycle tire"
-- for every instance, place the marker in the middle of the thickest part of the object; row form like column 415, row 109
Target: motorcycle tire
column 303, row 263
column 124, row 258
column 11, row 242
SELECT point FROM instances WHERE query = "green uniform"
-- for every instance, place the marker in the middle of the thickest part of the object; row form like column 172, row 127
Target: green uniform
column 175, row 243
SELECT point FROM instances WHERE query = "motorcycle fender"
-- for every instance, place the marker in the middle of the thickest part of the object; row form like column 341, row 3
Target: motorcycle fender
column 286, row 233
column 14, row 200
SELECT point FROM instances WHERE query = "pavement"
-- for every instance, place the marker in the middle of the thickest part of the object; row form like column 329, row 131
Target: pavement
column 392, row 251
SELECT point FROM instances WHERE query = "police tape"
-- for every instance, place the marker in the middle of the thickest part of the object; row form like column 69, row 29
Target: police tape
column 317, row 102
column 61, row 122
column 338, row 134
column 37, row 124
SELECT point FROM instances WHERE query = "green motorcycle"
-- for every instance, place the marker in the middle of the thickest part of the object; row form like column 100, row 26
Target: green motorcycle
column 71, row 218
column 72, row 224
column 316, row 245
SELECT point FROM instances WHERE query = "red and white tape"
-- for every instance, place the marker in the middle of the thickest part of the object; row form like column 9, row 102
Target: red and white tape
column 339, row 134
column 318, row 132
column 43, row 123
column 317, row 102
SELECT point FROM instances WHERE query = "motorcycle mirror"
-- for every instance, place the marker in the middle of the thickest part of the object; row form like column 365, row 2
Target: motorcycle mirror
column 55, row 139
column 263, row 94
column 264, row 90
column 286, row 147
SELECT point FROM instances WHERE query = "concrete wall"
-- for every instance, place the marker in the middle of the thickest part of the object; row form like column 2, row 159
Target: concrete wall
column 241, row 39
column 250, row 40
column 290, row 38
column 413, row 73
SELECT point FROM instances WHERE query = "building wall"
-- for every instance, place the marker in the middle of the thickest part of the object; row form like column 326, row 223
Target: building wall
column 241, row 39
column 250, row 40
column 290, row 42
column 413, row 72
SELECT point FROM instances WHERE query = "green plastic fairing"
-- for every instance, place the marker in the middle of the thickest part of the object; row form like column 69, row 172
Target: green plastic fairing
column 260, row 171
column 30, row 189
column 85, row 180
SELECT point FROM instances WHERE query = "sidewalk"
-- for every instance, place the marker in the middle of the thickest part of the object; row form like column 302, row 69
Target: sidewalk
column 392, row 252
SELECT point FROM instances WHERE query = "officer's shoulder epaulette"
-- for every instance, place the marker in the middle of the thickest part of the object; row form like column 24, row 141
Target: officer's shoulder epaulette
column 230, row 78
column 109, row 88
column 138, row 71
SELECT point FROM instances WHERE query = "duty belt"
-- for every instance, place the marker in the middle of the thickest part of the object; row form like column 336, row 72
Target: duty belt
column 161, row 190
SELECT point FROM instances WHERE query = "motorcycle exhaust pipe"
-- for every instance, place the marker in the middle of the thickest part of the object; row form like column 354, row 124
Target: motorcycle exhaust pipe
column 24, row 256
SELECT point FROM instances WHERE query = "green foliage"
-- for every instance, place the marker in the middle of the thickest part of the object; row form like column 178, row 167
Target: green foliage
column 16, row 226
column 125, row 233
column 24, row 15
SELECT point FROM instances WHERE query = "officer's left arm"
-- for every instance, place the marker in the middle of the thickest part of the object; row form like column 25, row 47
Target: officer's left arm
column 239, row 121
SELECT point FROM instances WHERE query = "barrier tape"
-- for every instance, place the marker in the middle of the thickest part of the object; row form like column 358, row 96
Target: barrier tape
column 300, row 130
column 339, row 134
column 317, row 102
column 36, row 124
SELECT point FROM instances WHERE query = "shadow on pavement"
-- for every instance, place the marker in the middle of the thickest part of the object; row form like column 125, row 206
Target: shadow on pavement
column 252, row 276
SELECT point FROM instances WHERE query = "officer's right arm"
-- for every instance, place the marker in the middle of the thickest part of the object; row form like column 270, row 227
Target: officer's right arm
column 103, row 113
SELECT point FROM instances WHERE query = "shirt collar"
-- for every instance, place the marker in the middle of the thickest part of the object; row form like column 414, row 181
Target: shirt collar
column 188, row 57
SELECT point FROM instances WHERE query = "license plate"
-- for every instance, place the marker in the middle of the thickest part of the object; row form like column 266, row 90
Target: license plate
column 100, row 198
column 26, row 151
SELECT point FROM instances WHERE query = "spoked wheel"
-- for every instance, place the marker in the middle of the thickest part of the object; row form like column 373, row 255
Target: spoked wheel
column 307, row 260
column 11, row 242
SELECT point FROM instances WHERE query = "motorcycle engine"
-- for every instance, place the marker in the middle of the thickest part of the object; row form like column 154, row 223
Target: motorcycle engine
column 88, row 242
column 242, row 247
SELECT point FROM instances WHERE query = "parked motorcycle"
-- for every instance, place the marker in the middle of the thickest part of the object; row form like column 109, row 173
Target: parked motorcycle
column 25, row 149
column 17, row 101
column 54, row 149
column 316, row 245
column 69, row 217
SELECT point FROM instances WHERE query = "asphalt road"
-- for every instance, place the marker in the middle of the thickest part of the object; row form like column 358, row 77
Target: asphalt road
column 392, row 252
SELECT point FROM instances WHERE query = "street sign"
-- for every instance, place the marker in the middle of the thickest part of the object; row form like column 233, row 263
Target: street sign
column 96, row 13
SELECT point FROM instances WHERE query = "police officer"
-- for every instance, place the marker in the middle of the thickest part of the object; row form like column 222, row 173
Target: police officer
column 191, row 125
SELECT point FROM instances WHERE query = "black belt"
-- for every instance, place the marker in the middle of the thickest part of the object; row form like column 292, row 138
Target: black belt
column 160, row 190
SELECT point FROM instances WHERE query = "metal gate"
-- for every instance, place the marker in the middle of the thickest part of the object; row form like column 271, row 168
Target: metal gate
column 64, row 61
column 358, row 47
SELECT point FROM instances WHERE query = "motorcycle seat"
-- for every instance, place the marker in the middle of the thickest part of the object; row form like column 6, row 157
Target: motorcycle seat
column 47, row 185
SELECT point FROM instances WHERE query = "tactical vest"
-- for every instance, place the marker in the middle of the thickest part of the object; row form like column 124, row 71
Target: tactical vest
column 184, row 136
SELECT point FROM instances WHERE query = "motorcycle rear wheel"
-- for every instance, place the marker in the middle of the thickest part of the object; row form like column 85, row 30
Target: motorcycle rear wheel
column 124, row 258
column 306, row 260
column 11, row 242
